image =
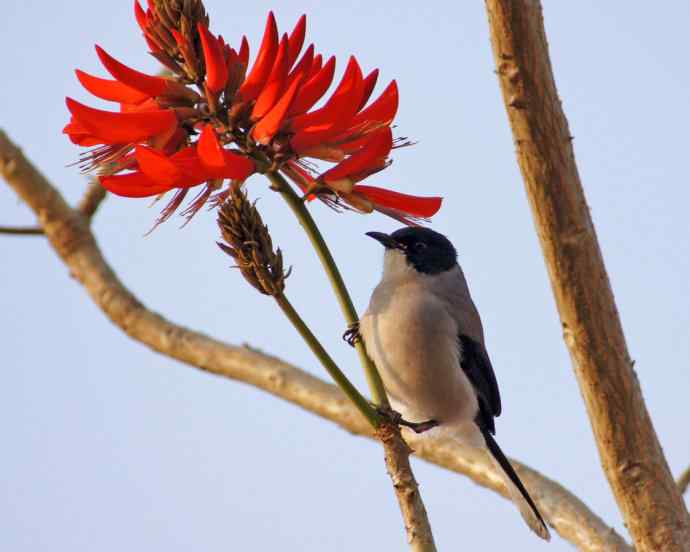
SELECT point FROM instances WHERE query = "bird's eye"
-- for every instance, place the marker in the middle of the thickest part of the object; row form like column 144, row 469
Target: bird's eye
column 420, row 246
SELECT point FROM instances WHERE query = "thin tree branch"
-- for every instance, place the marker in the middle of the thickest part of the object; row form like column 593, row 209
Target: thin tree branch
column 630, row 452
column 22, row 230
column 684, row 481
column 74, row 243
column 92, row 199
column 87, row 206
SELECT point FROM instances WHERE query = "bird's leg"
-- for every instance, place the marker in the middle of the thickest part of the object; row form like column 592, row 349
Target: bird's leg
column 352, row 335
column 396, row 418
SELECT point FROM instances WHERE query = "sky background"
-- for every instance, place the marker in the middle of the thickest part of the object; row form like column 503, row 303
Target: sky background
column 108, row 446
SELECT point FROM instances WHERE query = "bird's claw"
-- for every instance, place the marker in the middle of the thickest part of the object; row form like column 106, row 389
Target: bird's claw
column 352, row 335
column 397, row 419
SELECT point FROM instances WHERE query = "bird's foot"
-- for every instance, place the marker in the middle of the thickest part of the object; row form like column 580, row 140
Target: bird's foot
column 396, row 418
column 352, row 335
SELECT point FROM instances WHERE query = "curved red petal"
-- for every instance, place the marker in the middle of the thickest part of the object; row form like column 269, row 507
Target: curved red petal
column 340, row 107
column 316, row 66
column 264, row 62
column 122, row 128
column 275, row 84
column 135, row 184
column 140, row 15
column 237, row 166
column 314, row 88
column 417, row 206
column 158, row 166
column 371, row 156
column 209, row 149
column 303, row 68
column 79, row 135
column 243, row 53
column 110, row 90
column 217, row 161
column 147, row 84
column 369, row 84
column 216, row 69
column 267, row 127
column 382, row 110
column 296, row 40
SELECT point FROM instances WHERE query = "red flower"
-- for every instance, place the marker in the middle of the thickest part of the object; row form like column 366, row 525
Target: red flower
column 238, row 121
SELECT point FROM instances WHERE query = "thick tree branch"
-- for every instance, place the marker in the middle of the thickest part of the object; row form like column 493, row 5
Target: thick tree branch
column 73, row 241
column 628, row 446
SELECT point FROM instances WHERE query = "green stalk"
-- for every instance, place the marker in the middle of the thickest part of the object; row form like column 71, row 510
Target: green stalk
column 295, row 203
column 341, row 379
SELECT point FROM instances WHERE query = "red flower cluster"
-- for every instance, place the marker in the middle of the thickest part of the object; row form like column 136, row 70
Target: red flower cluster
column 167, row 135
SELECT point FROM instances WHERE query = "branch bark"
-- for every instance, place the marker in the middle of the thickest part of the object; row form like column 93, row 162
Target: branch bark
column 630, row 452
column 73, row 241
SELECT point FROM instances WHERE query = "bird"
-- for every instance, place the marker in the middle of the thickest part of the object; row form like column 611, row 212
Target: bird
column 424, row 335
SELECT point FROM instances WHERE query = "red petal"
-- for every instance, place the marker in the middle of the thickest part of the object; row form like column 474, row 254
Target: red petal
column 140, row 15
column 110, row 90
column 151, row 86
column 158, row 166
column 79, row 135
column 135, row 184
column 416, row 206
column 122, row 128
column 316, row 66
column 314, row 88
column 264, row 62
column 382, row 110
column 303, row 67
column 296, row 40
column 217, row 161
column 265, row 129
column 209, row 149
column 342, row 105
column 244, row 51
column 276, row 81
column 216, row 69
column 371, row 156
column 369, row 84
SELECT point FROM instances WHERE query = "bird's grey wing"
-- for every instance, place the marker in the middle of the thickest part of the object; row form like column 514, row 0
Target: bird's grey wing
column 477, row 367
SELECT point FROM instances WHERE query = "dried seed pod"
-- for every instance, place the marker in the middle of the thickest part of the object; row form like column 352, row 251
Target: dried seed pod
column 248, row 242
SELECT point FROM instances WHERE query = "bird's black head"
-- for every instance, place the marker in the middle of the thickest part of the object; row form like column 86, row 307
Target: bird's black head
column 427, row 251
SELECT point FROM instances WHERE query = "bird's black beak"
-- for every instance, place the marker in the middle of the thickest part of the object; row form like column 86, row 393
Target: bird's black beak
column 383, row 239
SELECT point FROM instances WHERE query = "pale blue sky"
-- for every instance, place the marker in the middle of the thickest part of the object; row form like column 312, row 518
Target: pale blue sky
column 108, row 446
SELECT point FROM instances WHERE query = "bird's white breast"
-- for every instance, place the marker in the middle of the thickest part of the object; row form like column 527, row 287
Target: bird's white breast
column 413, row 340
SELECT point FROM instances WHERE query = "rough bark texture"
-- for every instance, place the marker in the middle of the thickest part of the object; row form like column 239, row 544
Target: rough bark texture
column 70, row 236
column 397, row 455
column 630, row 452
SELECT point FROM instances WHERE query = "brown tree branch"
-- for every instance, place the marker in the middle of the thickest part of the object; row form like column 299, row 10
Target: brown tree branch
column 71, row 238
column 630, row 452
column 22, row 230
column 87, row 206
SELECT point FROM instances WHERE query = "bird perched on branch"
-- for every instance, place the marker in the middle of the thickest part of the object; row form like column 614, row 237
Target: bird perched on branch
column 425, row 336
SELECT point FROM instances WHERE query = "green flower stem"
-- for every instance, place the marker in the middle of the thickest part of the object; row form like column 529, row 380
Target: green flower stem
column 378, row 392
column 350, row 390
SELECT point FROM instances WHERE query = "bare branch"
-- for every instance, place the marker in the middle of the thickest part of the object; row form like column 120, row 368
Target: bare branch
column 630, row 452
column 88, row 205
column 92, row 199
column 21, row 230
column 72, row 239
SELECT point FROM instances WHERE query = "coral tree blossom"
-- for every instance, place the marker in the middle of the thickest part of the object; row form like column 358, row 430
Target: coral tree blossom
column 216, row 118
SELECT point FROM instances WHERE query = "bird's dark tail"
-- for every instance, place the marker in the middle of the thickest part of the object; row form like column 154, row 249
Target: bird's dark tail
column 518, row 493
